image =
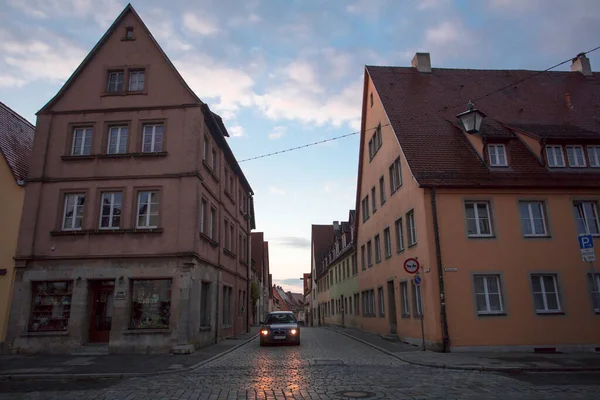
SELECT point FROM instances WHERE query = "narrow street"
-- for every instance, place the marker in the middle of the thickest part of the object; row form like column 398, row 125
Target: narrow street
column 327, row 365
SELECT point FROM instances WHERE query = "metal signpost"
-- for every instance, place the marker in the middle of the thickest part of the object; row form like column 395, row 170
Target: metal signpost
column 417, row 282
column 586, row 246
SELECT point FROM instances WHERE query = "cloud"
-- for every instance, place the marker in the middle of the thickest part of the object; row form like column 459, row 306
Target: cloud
column 449, row 39
column 102, row 11
column 277, row 132
column 294, row 285
column 327, row 188
column 276, row 191
column 236, row 131
column 25, row 59
column 292, row 241
column 200, row 24
column 432, row 4
column 161, row 25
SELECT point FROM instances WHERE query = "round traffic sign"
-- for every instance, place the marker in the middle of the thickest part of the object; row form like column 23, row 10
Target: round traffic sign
column 417, row 280
column 411, row 265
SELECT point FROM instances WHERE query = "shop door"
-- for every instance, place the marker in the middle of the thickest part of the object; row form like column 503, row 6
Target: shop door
column 102, row 293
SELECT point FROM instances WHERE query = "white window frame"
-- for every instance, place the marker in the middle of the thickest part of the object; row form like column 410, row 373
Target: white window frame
column 119, row 135
column 399, row 226
column 594, row 156
column 553, row 160
column 137, row 73
column 76, row 206
column 211, row 224
column 382, row 198
column 405, row 298
column 486, row 292
column 113, row 84
column 381, row 300
column 148, row 208
column 153, row 137
column 86, row 133
column 111, row 211
column 387, row 240
column 582, row 211
column 411, row 228
column 544, row 293
column 576, row 157
column 395, row 172
column 530, row 219
column 494, row 153
column 377, row 248
column 474, row 204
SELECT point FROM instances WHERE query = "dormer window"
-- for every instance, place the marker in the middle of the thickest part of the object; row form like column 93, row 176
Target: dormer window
column 594, row 156
column 554, row 156
column 576, row 156
column 497, row 154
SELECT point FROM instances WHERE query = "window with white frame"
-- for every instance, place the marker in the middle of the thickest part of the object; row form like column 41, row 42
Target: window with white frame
column 377, row 249
column 411, row 227
column 387, row 239
column 399, row 236
column 369, row 253
column 363, row 257
column 371, row 149
column 82, row 141
column 395, row 176
column 212, row 232
column 117, row 140
column 479, row 222
column 381, row 301
column 147, row 211
column 405, row 299
column 555, row 156
column 533, row 218
column 545, row 293
column 594, row 291
column 365, row 208
column 417, row 301
column 73, row 211
column 203, row 206
column 488, row 296
column 152, row 140
column 382, row 190
column 136, row 80
column 586, row 216
column 594, row 156
column 576, row 156
column 115, row 81
column 110, row 210
column 374, row 199
column 497, row 154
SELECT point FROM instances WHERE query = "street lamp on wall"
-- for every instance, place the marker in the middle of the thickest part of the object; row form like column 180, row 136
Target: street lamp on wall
column 471, row 119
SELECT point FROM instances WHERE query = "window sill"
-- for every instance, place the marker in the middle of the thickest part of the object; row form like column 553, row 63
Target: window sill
column 243, row 262
column 115, row 155
column 126, row 39
column 145, row 230
column 150, row 154
column 228, row 326
column 123, row 93
column 399, row 251
column 78, row 158
column 537, row 237
column 405, row 315
column 229, row 196
column 147, row 331
column 69, row 233
column 549, row 312
column 107, row 231
column 212, row 242
column 45, row 333
column 229, row 253
column 211, row 171
column 491, row 314
column 388, row 256
column 412, row 245
column 481, row 236
column 205, row 329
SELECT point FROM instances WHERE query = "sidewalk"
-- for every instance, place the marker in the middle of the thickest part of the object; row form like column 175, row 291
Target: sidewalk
column 114, row 365
column 498, row 362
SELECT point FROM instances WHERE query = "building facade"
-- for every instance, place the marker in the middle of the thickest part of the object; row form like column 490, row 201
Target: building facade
column 137, row 217
column 320, row 240
column 260, row 257
column 492, row 217
column 16, row 142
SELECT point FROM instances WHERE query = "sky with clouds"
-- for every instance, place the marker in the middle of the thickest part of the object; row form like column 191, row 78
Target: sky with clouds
column 283, row 73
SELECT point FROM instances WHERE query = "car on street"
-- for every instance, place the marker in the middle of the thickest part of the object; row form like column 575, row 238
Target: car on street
column 280, row 327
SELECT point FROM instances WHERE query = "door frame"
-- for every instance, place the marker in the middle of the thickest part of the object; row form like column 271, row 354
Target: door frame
column 96, row 287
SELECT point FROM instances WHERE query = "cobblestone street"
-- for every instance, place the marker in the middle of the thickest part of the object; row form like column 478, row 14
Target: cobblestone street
column 326, row 365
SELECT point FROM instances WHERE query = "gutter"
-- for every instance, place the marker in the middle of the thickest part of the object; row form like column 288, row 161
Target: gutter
column 440, row 271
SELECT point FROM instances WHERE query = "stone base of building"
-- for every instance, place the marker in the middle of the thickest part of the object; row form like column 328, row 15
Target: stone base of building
column 559, row 348
column 131, row 305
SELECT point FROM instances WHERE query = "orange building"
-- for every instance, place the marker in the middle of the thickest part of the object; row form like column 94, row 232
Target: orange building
column 491, row 216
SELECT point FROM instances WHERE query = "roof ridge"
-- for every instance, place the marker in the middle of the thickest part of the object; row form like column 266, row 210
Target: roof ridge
column 19, row 116
column 469, row 69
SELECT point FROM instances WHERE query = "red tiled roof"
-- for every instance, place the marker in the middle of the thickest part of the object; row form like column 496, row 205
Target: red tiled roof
column 422, row 108
column 16, row 141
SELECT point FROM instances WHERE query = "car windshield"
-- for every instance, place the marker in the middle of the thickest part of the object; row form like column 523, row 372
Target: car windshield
column 280, row 319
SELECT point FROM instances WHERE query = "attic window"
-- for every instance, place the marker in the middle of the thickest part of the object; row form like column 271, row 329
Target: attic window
column 497, row 154
column 371, row 99
column 129, row 33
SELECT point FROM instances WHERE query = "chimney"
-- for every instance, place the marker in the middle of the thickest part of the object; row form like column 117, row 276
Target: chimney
column 336, row 225
column 582, row 64
column 422, row 62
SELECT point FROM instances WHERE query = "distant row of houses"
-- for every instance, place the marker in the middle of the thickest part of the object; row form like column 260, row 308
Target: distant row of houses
column 468, row 217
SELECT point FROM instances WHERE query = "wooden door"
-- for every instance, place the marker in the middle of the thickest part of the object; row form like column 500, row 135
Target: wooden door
column 102, row 294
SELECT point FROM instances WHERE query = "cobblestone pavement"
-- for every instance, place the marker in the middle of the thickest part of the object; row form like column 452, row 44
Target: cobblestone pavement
column 327, row 365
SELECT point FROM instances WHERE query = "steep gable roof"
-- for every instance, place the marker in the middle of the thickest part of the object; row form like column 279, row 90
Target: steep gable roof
column 322, row 237
column 422, row 106
column 16, row 142
column 127, row 10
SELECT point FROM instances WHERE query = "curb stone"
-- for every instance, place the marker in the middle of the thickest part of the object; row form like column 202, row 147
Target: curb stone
column 469, row 368
column 122, row 375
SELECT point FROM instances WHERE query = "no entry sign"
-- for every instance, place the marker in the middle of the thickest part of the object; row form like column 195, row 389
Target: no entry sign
column 411, row 265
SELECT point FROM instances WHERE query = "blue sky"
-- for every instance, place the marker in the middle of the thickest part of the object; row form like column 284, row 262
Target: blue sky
column 288, row 72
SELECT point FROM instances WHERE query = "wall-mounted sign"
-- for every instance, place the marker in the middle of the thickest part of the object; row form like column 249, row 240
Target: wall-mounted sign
column 411, row 265
column 450, row 269
column 120, row 295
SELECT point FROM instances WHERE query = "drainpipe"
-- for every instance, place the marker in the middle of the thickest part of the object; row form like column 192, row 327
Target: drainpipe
column 248, row 266
column 440, row 270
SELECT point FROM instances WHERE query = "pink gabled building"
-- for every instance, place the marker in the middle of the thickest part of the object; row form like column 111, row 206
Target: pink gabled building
column 136, row 221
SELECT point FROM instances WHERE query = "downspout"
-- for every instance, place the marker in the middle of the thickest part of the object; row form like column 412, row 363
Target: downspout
column 39, row 197
column 248, row 266
column 440, row 270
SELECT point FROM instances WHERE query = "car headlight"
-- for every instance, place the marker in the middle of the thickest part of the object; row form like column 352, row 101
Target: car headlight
column 264, row 332
column 293, row 331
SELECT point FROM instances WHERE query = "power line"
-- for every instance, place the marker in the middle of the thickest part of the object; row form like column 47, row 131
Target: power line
column 307, row 145
column 445, row 108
